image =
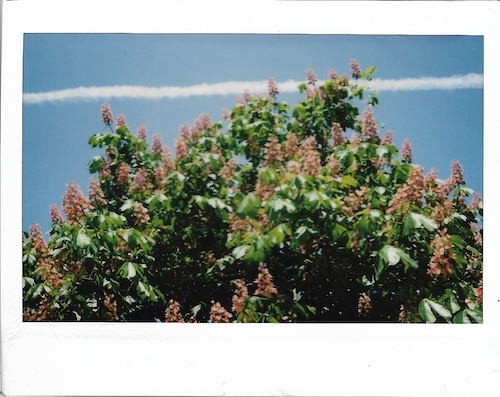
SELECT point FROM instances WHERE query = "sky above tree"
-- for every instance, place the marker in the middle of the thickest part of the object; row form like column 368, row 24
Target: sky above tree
column 430, row 92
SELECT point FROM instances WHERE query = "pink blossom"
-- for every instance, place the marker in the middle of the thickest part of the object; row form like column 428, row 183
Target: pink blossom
column 364, row 304
column 338, row 134
column 333, row 165
column 156, row 147
column 202, row 123
column 476, row 202
column 309, row 161
column 227, row 171
column 356, row 140
column 218, row 314
column 55, row 215
column 141, row 133
column 166, row 158
column 369, row 125
column 240, row 296
column 410, row 193
column 226, row 114
column 96, row 195
column 36, row 237
column 265, row 285
column 180, row 148
column 355, row 71
column 406, row 153
column 173, row 312
column 457, row 173
column 332, row 74
column 247, row 97
column 441, row 263
column 141, row 214
column 291, row 145
column 311, row 76
column 273, row 151
column 123, row 174
column 387, row 139
column 74, row 203
column 107, row 116
column 184, row 132
column 120, row 120
column 273, row 88
column 139, row 183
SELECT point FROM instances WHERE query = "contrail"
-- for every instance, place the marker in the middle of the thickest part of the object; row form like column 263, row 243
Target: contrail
column 471, row 80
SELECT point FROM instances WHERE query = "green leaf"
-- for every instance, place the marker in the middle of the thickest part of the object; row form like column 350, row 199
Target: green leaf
column 249, row 206
column 240, row 252
column 127, row 205
column 422, row 221
column 95, row 164
column 425, row 312
column 196, row 309
column 390, row 255
column 348, row 180
column 278, row 204
column 440, row 310
column 127, row 270
column 82, row 239
column 428, row 310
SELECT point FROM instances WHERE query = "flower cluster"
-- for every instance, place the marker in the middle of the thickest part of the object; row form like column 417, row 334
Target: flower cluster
column 311, row 76
column 240, row 296
column 479, row 292
column 273, row 88
column 123, row 174
column 218, row 314
column 264, row 191
column 55, row 215
column 291, row 145
column 157, row 146
column 110, row 304
column 107, row 116
column 272, row 152
column 456, row 178
column 180, row 147
column 120, row 120
column 332, row 74
column 139, row 183
column 173, row 312
column 74, row 203
column 354, row 201
column 141, row 133
column 369, row 125
column 265, row 285
column 309, row 157
column 441, row 263
column 410, row 193
column 406, row 152
column 338, row 134
column 227, row 171
column 387, row 139
column 333, row 165
column 96, row 195
column 50, row 273
column 355, row 69
column 141, row 214
column 364, row 304
column 36, row 237
column 202, row 123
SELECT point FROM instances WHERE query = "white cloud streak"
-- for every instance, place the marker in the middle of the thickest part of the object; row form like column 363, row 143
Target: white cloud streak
column 471, row 80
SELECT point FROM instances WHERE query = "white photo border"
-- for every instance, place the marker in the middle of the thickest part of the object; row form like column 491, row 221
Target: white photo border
column 212, row 359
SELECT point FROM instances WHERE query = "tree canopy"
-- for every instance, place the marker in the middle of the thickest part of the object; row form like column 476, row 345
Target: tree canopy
column 275, row 214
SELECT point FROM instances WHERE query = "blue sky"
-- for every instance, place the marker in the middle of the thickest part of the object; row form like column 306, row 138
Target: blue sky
column 442, row 124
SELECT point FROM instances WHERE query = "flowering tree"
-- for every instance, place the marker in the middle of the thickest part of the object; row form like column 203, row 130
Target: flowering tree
column 277, row 214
